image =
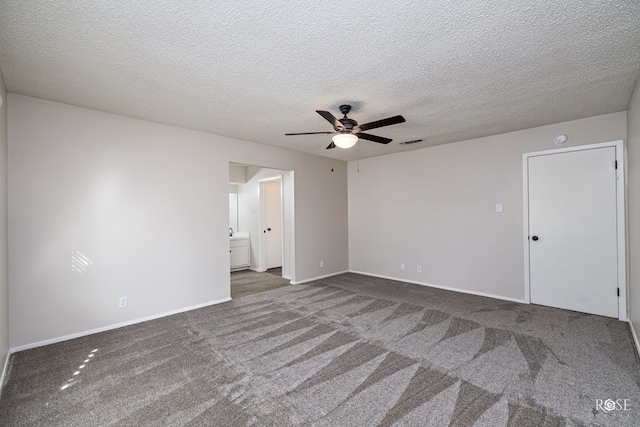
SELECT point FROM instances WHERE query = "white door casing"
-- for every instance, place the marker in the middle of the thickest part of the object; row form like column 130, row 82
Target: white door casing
column 574, row 229
column 254, row 223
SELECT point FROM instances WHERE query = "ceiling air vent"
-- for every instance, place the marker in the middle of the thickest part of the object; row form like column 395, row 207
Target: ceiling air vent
column 413, row 141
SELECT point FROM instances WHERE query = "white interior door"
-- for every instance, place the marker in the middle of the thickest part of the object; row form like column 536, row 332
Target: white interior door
column 272, row 223
column 573, row 247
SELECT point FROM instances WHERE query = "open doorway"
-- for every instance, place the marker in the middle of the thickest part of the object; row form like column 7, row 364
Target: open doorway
column 262, row 209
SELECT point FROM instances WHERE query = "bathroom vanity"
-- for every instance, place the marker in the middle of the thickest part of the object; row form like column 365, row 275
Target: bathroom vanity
column 239, row 251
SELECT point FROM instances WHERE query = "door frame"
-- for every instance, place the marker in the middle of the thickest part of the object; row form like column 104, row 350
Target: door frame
column 288, row 217
column 620, row 214
column 262, row 250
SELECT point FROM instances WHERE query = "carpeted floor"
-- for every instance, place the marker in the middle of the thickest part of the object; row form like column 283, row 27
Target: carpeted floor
column 349, row 350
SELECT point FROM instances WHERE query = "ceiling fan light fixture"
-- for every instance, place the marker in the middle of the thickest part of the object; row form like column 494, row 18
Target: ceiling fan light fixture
column 345, row 140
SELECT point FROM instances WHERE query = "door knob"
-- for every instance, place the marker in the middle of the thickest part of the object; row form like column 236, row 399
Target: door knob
column 534, row 238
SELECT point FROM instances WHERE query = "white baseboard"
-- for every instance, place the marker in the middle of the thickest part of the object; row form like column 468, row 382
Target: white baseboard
column 446, row 288
column 299, row 282
column 635, row 337
column 114, row 326
column 5, row 369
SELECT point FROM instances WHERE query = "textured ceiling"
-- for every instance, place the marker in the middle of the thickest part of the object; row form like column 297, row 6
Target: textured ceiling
column 255, row 70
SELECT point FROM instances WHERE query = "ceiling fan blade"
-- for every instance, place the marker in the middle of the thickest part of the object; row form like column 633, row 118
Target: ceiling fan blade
column 330, row 146
column 309, row 133
column 380, row 123
column 374, row 138
column 331, row 119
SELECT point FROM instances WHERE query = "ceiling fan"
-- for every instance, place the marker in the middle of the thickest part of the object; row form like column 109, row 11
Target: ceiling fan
column 347, row 131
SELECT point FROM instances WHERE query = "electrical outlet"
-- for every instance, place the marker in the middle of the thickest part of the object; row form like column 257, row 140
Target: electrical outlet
column 321, row 263
column 122, row 302
column 402, row 266
column 419, row 269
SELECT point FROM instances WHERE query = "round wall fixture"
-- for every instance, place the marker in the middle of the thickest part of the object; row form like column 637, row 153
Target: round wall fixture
column 561, row 139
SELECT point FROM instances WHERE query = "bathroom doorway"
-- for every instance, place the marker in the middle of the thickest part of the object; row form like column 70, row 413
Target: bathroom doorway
column 264, row 209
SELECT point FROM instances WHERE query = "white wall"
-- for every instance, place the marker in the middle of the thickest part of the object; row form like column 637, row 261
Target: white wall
column 633, row 162
column 435, row 207
column 148, row 205
column 237, row 174
column 4, row 278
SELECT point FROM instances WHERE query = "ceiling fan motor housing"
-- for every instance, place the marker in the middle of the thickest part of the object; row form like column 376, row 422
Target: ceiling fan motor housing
column 348, row 123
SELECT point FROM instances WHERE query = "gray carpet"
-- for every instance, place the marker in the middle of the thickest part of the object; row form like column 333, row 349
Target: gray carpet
column 345, row 351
